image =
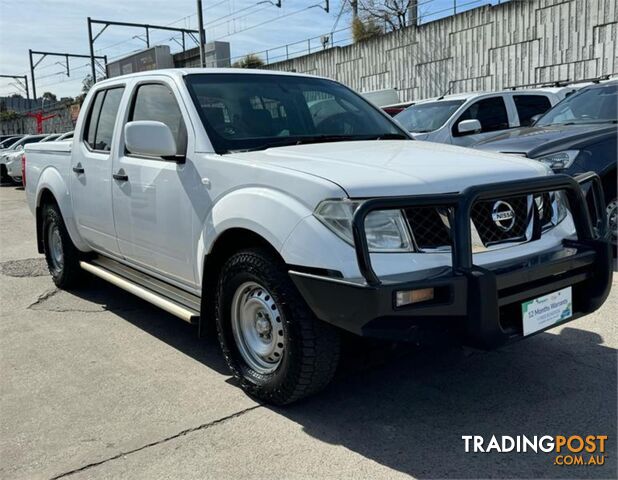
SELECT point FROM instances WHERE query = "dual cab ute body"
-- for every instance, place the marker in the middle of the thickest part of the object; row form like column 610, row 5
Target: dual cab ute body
column 216, row 194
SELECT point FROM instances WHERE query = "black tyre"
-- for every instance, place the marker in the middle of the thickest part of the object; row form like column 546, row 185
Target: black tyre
column 4, row 176
column 274, row 345
column 61, row 255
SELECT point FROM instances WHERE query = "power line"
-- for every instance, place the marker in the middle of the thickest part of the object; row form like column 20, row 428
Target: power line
column 231, row 14
column 271, row 20
column 250, row 10
column 194, row 14
column 227, row 22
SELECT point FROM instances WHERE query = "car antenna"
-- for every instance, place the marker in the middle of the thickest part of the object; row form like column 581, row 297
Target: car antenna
column 441, row 97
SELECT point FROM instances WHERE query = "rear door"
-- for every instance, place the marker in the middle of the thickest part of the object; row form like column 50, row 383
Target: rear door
column 152, row 210
column 529, row 105
column 491, row 112
column 91, row 175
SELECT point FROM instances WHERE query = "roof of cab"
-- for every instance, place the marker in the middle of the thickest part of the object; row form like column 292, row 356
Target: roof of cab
column 181, row 72
column 470, row 95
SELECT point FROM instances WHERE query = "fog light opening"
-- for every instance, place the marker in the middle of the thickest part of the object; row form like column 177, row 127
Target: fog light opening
column 408, row 297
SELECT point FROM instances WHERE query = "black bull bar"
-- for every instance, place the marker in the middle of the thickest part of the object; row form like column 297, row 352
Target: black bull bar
column 462, row 202
column 477, row 300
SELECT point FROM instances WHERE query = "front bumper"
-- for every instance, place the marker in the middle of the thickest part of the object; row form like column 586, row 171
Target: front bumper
column 13, row 167
column 480, row 305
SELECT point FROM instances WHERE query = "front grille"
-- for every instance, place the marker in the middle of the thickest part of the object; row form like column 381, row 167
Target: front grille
column 490, row 231
column 431, row 226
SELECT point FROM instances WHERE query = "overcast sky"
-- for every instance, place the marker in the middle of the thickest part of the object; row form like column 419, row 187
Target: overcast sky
column 60, row 26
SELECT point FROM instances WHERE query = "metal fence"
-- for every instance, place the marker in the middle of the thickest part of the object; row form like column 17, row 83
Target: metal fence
column 343, row 36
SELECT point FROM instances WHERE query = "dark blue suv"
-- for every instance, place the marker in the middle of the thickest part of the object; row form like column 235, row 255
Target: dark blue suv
column 576, row 135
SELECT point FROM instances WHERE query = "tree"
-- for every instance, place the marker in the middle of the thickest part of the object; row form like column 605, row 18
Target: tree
column 50, row 97
column 250, row 61
column 362, row 30
column 16, row 95
column 8, row 115
column 392, row 13
column 87, row 84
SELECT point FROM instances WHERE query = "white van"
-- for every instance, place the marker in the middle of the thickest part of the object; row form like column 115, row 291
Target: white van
column 381, row 98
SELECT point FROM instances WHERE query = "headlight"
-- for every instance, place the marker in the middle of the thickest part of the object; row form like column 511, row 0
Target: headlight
column 552, row 208
column 559, row 160
column 386, row 230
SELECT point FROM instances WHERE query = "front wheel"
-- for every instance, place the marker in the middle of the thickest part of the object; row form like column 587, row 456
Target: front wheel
column 60, row 253
column 273, row 344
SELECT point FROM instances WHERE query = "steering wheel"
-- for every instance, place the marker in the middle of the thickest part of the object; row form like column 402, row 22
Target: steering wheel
column 344, row 123
column 226, row 129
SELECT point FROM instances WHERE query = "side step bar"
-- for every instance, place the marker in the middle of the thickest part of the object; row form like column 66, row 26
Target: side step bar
column 184, row 312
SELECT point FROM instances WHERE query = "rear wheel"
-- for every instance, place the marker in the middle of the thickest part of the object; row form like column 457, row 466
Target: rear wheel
column 271, row 340
column 60, row 253
column 4, row 175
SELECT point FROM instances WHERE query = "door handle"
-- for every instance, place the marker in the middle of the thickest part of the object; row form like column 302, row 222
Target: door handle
column 78, row 168
column 120, row 176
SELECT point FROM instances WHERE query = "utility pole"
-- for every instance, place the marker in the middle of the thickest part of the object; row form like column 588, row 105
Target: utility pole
column 147, row 27
column 91, row 43
column 200, row 27
column 32, row 75
column 24, row 85
column 413, row 13
column 66, row 56
column 354, row 5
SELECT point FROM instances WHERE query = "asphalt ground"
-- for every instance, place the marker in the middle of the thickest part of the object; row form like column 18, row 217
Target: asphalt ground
column 97, row 384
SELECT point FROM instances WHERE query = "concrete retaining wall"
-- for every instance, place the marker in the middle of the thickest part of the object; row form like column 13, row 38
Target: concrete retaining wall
column 488, row 48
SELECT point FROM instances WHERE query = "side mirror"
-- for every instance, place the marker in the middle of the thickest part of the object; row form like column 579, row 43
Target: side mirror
column 145, row 137
column 535, row 118
column 468, row 127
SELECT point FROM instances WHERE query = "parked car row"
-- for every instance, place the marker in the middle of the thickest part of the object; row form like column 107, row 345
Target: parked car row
column 571, row 129
column 12, row 151
column 577, row 135
column 465, row 119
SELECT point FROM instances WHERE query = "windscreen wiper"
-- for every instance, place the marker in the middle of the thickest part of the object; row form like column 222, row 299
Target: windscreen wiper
column 348, row 138
column 586, row 122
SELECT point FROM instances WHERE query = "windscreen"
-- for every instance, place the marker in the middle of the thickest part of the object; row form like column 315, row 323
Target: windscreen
column 253, row 112
column 6, row 143
column 598, row 104
column 26, row 140
column 427, row 117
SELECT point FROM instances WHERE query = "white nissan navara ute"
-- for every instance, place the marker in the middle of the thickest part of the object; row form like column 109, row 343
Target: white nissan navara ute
column 218, row 196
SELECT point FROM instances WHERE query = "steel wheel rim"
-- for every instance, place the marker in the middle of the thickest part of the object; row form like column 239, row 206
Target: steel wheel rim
column 54, row 241
column 257, row 325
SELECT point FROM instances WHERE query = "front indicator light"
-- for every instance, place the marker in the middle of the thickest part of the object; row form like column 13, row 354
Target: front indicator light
column 408, row 297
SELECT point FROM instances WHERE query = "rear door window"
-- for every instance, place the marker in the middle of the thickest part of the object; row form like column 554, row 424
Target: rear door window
column 530, row 105
column 491, row 112
column 101, row 119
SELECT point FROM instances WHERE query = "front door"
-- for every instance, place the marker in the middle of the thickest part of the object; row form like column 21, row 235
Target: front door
column 493, row 116
column 152, row 211
column 91, row 172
